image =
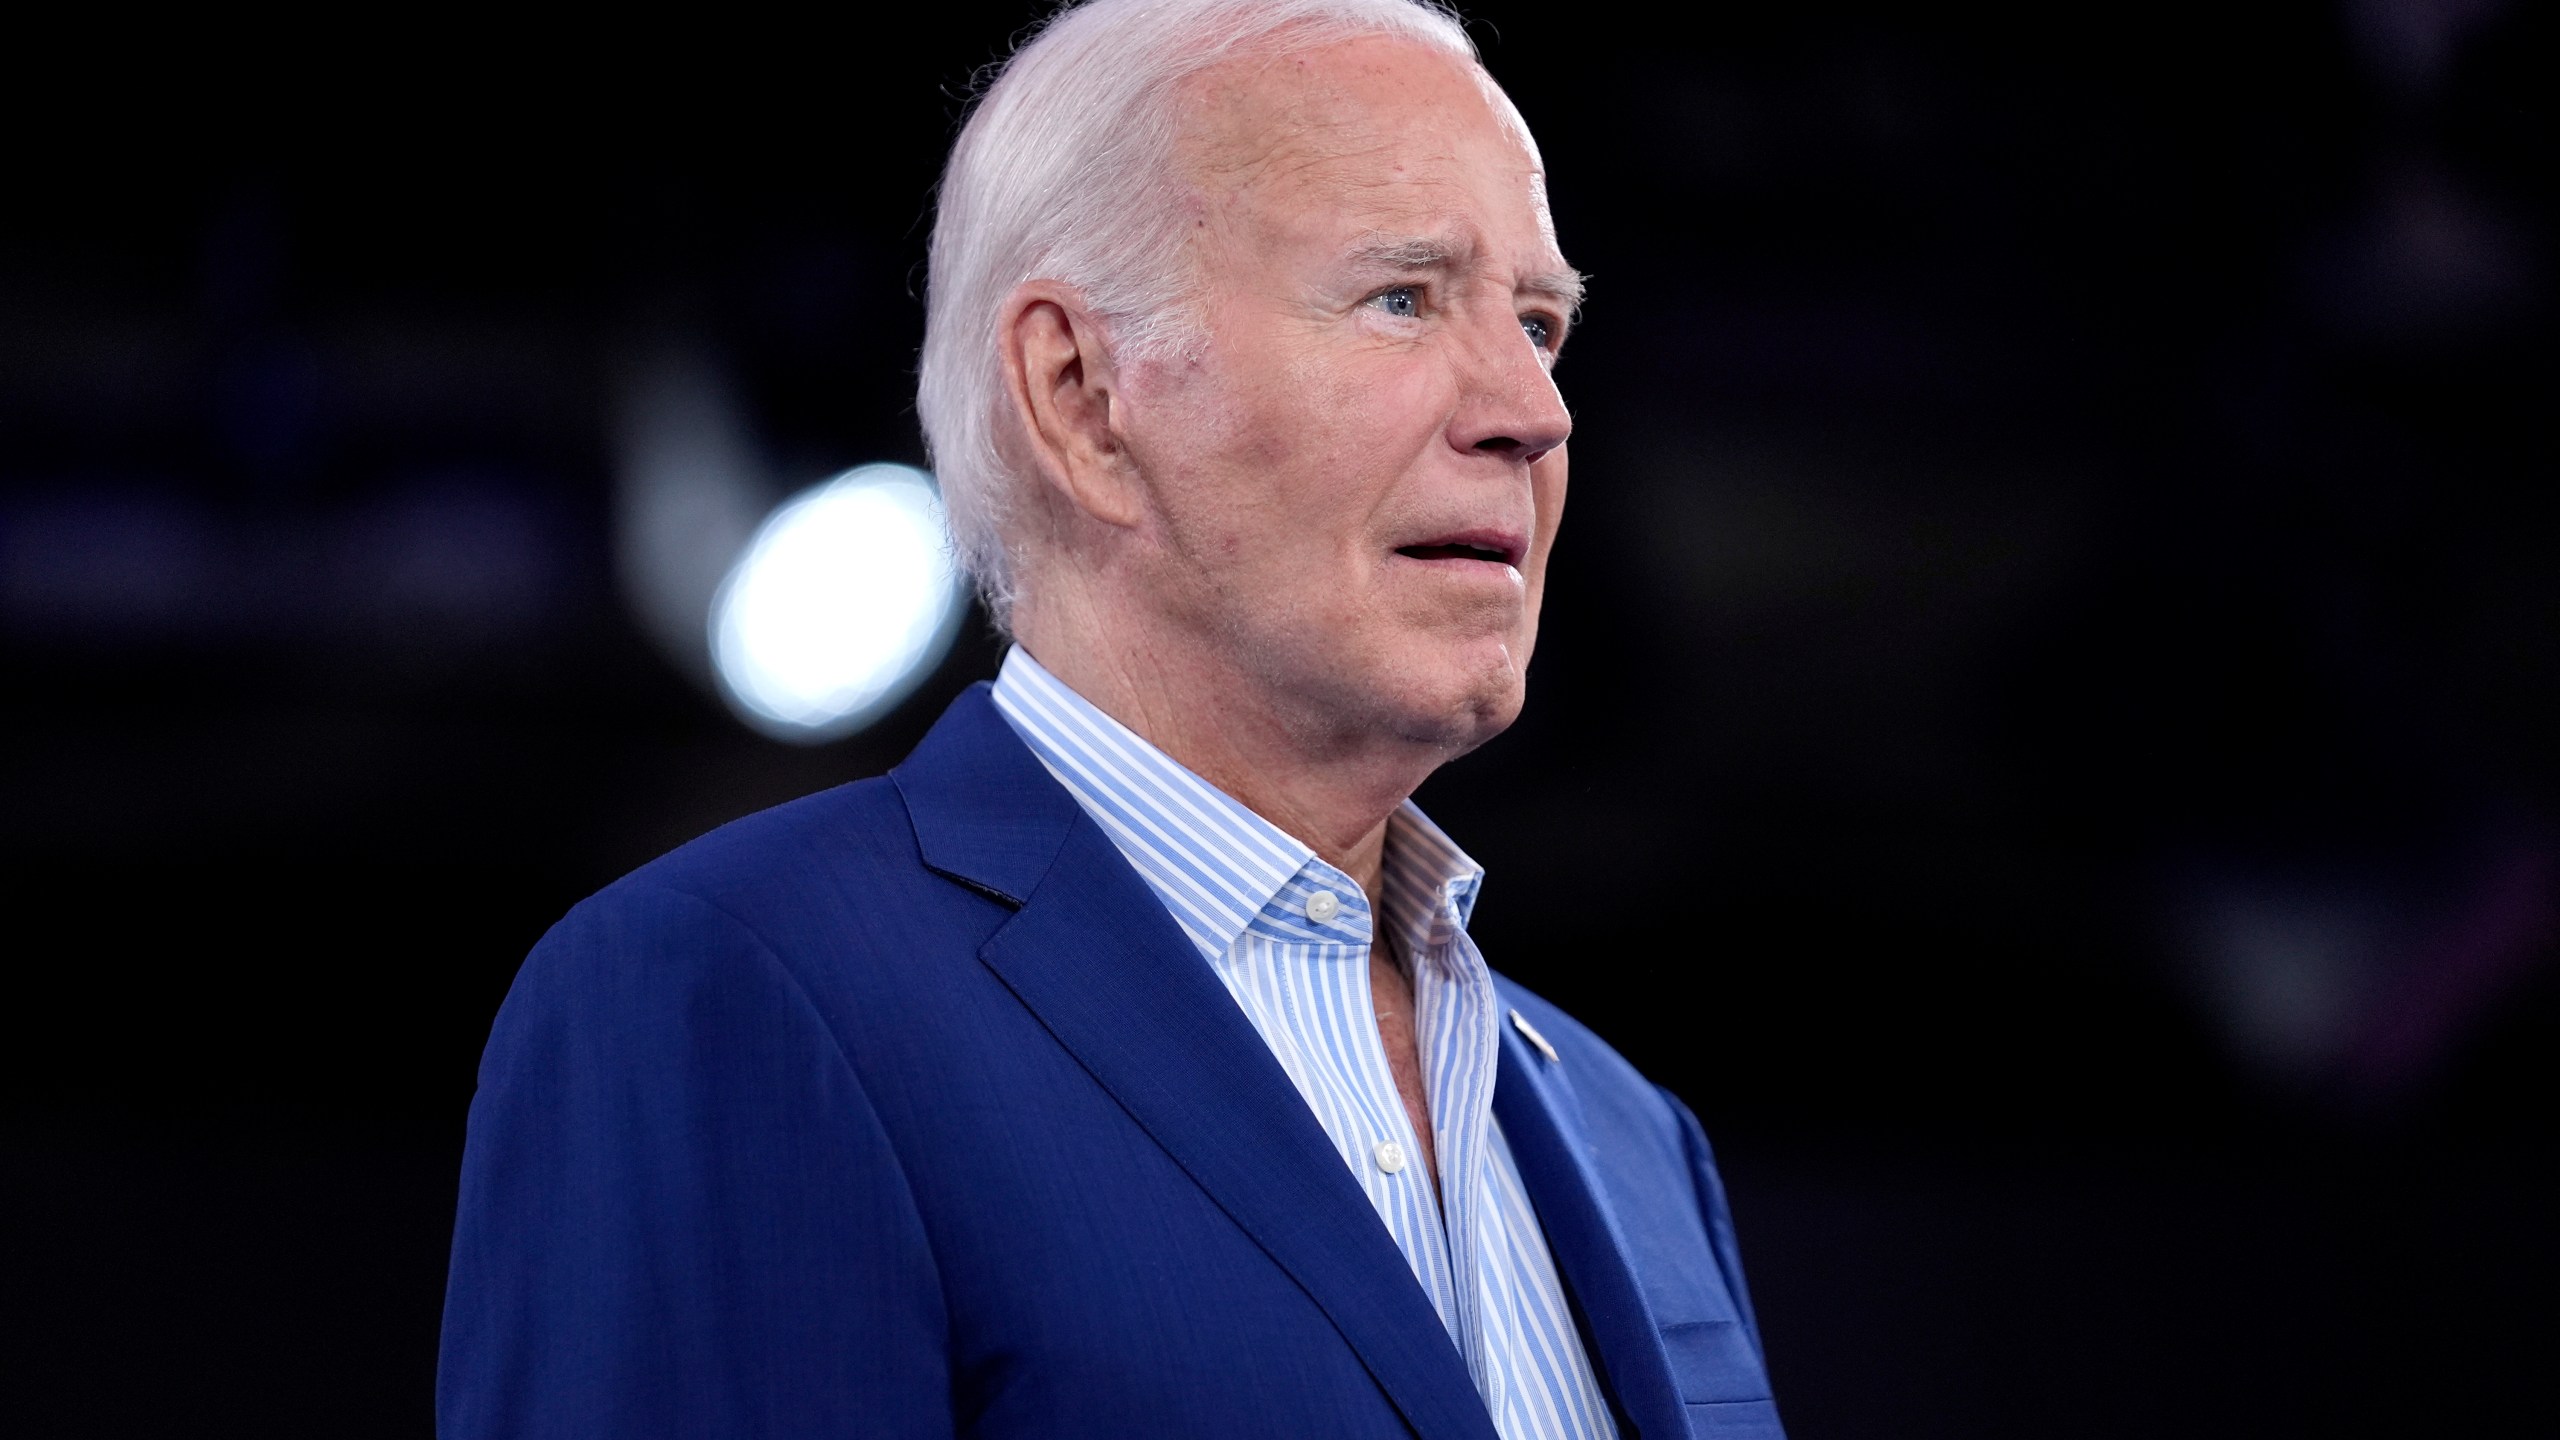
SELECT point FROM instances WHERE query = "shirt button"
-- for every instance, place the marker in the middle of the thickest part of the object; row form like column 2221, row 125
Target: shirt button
column 1323, row 906
column 1390, row 1156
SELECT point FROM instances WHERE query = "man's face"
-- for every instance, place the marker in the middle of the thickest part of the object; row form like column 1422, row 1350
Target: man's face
column 1355, row 479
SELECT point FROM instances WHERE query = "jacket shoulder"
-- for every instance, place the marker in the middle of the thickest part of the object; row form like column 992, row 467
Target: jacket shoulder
column 846, row 823
column 853, row 839
column 824, row 887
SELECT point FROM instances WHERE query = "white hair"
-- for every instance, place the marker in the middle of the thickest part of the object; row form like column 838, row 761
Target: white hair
column 1065, row 171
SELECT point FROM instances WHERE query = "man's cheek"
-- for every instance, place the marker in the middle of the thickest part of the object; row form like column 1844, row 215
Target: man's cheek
column 1389, row 403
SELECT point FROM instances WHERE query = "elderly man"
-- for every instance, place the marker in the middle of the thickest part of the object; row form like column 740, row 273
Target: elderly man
column 1120, row 1064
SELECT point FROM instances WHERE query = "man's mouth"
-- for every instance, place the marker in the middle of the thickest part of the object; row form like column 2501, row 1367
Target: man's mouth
column 1490, row 551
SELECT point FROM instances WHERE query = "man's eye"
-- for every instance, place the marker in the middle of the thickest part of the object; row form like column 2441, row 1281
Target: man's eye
column 1540, row 330
column 1404, row 301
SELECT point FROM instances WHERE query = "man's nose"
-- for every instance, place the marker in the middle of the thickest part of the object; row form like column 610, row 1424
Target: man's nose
column 1511, row 407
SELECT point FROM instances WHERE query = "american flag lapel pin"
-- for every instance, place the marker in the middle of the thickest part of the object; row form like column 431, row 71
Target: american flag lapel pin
column 1529, row 1032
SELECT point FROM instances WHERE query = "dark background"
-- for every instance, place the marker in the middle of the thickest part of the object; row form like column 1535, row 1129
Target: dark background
column 2043, row 735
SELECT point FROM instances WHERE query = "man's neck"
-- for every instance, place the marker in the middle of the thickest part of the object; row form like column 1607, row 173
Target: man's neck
column 1334, row 791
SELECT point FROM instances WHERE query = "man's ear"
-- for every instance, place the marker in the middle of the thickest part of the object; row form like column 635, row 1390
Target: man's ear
column 1066, row 395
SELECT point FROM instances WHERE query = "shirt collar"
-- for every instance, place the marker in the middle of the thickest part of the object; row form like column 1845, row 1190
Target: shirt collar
column 1220, row 868
column 1431, row 884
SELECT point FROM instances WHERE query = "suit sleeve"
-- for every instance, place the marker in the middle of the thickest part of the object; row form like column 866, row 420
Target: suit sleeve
column 679, row 1213
column 1717, row 1215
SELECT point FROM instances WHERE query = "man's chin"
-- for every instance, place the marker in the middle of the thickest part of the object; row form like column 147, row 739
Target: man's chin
column 1462, row 700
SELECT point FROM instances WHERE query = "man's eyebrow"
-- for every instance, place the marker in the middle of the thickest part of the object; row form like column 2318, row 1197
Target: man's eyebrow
column 1408, row 252
column 1423, row 252
column 1562, row 286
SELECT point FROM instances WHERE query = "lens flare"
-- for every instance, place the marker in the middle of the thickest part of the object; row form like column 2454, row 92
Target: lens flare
column 843, row 602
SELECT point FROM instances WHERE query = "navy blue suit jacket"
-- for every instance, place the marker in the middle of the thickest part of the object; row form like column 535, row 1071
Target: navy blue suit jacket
column 905, row 1110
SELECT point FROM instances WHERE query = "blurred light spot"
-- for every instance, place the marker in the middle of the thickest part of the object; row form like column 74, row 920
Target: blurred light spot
column 2362, row 980
column 842, row 603
column 689, row 487
column 2412, row 44
column 118, row 561
column 2291, row 970
column 446, row 555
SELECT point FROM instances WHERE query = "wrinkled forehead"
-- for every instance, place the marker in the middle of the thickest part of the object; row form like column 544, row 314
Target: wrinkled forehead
column 1361, row 128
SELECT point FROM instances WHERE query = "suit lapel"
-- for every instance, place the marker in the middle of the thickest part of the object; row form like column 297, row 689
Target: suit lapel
column 1542, row 1119
column 1093, row 954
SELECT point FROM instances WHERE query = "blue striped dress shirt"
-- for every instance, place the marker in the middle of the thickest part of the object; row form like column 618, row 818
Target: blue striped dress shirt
column 1291, row 937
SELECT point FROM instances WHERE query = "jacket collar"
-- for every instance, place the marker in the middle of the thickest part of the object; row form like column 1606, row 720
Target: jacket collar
column 1217, row 864
column 984, row 812
column 1092, row 952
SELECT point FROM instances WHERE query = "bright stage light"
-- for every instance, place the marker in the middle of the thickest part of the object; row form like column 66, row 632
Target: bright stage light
column 845, row 599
